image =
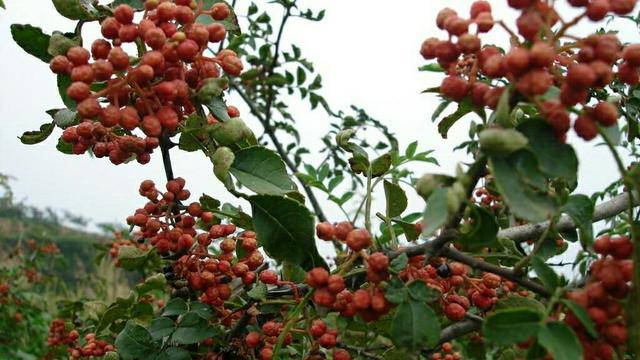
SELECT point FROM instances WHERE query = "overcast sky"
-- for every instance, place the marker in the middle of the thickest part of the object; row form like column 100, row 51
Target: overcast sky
column 366, row 51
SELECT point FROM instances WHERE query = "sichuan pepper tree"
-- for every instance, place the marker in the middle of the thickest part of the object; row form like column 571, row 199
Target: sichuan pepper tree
column 468, row 278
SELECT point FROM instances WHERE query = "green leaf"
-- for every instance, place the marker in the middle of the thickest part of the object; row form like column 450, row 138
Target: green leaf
column 262, row 171
column 560, row 341
column 396, row 292
column 483, row 231
column 415, row 327
column 75, row 9
column 301, row 75
column 419, row 291
column 202, row 310
column 464, row 107
column 59, row 43
column 380, row 165
column 134, row 342
column 436, row 213
column 523, row 199
column 555, row 159
column 136, row 4
column 503, row 110
column 399, row 263
column 175, row 306
column 515, row 301
column 192, row 329
column 286, row 230
column 64, row 81
column 2, row 4
column 435, row 67
column 396, row 199
column 580, row 208
column 259, row 291
column 408, row 228
column 208, row 203
column 581, row 314
column 173, row 353
column 546, row 274
column 511, row 326
column 161, row 327
column 37, row 136
column 131, row 257
column 32, row 40
column 154, row 282
column 218, row 108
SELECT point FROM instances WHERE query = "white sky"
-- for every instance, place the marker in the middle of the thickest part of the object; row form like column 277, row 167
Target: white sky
column 366, row 51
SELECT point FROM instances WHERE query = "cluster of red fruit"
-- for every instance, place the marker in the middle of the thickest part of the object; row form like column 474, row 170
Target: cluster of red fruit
column 446, row 353
column 163, row 224
column 323, row 337
column 59, row 336
column 370, row 303
column 537, row 63
column 459, row 289
column 152, row 92
column 603, row 295
column 488, row 199
column 356, row 239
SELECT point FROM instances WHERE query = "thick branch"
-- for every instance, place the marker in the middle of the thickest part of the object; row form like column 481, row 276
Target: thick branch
column 165, row 145
column 470, row 324
column 603, row 211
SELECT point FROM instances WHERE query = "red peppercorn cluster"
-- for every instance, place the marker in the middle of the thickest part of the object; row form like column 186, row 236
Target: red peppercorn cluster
column 331, row 292
column 59, row 336
column 446, row 353
column 488, row 199
column 267, row 339
column 356, row 239
column 536, row 61
column 460, row 291
column 152, row 91
column 603, row 298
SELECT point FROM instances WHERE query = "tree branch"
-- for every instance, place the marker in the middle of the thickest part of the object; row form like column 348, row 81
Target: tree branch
column 504, row 272
column 603, row 211
column 165, row 145
column 470, row 324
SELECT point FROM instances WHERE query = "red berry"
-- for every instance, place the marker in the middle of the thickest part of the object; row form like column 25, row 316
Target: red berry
column 325, row 231
column 123, row 13
column 335, row 284
column 585, row 127
column 428, row 48
column 118, row 58
column 520, row 4
column 220, row 11
column 60, row 64
column 479, row 7
column 454, row 87
column 361, row 299
column 327, row 341
column 358, row 239
column 78, row 55
column 580, row 76
column 78, row 91
column 597, row 9
column 454, row 312
column 529, row 24
column 605, row 113
column 317, row 277
column 341, row 354
column 269, row 277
